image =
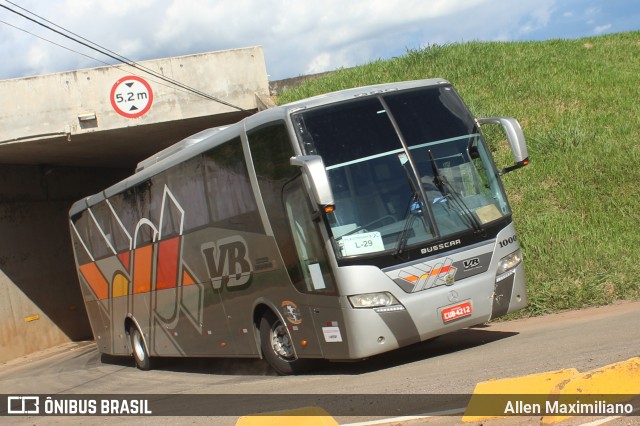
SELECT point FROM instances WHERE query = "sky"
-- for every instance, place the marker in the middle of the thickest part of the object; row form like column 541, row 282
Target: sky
column 298, row 37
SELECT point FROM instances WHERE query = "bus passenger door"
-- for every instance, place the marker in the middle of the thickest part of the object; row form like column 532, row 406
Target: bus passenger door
column 312, row 261
column 291, row 222
column 315, row 276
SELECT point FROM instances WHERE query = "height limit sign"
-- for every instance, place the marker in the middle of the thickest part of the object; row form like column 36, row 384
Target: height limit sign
column 131, row 96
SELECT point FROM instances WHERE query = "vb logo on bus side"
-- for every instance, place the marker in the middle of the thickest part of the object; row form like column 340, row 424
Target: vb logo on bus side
column 227, row 262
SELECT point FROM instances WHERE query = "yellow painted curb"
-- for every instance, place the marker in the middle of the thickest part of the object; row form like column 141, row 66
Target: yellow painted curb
column 312, row 416
column 619, row 381
column 499, row 392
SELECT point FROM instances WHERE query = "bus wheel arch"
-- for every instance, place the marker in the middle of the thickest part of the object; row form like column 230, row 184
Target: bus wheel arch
column 276, row 345
column 258, row 312
column 138, row 345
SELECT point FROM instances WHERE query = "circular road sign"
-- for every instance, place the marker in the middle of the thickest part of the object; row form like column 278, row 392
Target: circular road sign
column 131, row 96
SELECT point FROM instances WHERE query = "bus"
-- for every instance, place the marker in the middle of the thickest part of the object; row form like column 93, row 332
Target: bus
column 336, row 227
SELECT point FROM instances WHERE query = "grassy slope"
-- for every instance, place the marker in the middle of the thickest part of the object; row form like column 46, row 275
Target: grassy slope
column 578, row 101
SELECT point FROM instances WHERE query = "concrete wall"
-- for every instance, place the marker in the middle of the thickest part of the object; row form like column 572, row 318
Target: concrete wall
column 50, row 157
column 40, row 300
column 50, row 105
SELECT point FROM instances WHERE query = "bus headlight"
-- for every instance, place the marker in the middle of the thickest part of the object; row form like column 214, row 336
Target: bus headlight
column 509, row 262
column 373, row 300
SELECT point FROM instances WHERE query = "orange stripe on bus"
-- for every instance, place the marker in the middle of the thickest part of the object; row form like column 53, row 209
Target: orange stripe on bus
column 125, row 258
column 440, row 270
column 187, row 279
column 142, row 260
column 433, row 272
column 96, row 280
column 167, row 264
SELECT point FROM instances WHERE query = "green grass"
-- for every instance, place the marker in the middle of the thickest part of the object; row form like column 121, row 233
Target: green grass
column 578, row 101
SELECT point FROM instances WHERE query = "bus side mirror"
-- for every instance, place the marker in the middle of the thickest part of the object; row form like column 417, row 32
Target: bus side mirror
column 515, row 137
column 316, row 175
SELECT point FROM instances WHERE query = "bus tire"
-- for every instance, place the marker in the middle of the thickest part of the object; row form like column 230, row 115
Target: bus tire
column 277, row 347
column 139, row 349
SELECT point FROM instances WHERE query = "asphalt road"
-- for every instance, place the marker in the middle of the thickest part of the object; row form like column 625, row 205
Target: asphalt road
column 446, row 369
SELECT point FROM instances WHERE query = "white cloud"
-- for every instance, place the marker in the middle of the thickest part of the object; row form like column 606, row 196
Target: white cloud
column 319, row 63
column 601, row 28
column 592, row 11
column 36, row 56
column 539, row 18
column 298, row 36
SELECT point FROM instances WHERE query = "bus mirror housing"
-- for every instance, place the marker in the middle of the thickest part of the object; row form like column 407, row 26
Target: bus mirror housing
column 516, row 140
column 314, row 170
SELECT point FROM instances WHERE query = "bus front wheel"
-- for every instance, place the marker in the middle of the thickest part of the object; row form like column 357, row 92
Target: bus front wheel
column 139, row 350
column 277, row 347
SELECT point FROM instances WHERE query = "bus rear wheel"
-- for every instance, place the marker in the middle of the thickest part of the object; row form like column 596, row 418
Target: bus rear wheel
column 139, row 350
column 277, row 347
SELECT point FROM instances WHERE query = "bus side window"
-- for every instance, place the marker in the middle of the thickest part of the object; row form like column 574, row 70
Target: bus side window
column 271, row 150
column 179, row 199
column 81, row 239
column 104, row 246
column 231, row 201
column 123, row 219
column 146, row 232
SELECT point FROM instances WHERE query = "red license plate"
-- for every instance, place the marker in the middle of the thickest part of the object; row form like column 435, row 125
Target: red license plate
column 458, row 311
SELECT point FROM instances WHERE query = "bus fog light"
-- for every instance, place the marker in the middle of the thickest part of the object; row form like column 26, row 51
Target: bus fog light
column 508, row 262
column 373, row 300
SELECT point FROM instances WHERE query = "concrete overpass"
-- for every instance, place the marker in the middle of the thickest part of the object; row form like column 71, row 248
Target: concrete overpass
column 68, row 135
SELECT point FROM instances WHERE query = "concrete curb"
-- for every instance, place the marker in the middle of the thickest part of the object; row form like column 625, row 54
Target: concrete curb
column 311, row 416
column 619, row 382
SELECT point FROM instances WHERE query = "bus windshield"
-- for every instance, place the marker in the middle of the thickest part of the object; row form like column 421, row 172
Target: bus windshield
column 405, row 167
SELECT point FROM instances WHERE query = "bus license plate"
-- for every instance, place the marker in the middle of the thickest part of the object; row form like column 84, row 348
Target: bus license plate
column 458, row 311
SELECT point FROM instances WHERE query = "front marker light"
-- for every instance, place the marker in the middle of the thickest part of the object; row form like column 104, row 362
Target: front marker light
column 509, row 262
column 373, row 300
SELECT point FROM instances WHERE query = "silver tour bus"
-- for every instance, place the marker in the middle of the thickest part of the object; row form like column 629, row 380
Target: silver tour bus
column 337, row 227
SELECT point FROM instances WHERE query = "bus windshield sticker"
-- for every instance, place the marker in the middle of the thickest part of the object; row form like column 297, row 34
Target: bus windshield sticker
column 369, row 242
column 332, row 334
column 488, row 213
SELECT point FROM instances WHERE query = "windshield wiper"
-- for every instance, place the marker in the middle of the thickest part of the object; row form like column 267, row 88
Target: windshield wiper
column 449, row 193
column 413, row 210
column 438, row 179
